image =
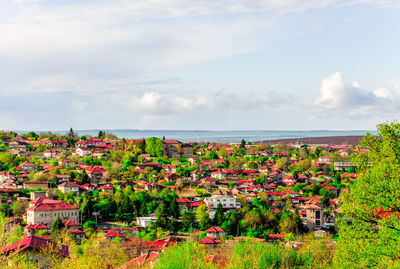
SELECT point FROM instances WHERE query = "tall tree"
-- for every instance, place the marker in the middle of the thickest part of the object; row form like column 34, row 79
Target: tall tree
column 218, row 218
column 154, row 146
column 57, row 225
column 369, row 232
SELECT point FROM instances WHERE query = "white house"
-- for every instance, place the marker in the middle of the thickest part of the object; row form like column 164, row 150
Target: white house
column 82, row 152
column 228, row 202
column 145, row 221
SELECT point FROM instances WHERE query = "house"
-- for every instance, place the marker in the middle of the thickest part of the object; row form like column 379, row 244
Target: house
column 333, row 190
column 50, row 153
column 33, row 228
column 82, row 152
column 88, row 187
column 66, row 162
column 44, row 185
column 27, row 167
column 153, row 186
column 325, row 159
column 106, row 188
column 36, row 194
column 216, row 232
column 95, row 173
column 79, row 235
column 62, row 178
column 37, row 249
column 339, row 166
column 5, row 175
column 59, row 144
column 314, row 217
column 210, row 241
column 113, row 234
column 146, row 259
column 184, row 203
column 145, row 221
column 45, row 211
column 68, row 187
column 228, row 202
column 175, row 149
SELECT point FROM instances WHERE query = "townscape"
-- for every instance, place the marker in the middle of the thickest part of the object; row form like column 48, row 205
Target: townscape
column 140, row 197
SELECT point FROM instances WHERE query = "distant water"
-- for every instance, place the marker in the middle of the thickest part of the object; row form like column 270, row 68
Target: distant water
column 222, row 136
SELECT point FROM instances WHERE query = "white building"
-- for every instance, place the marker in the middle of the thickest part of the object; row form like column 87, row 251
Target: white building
column 82, row 152
column 145, row 221
column 228, row 202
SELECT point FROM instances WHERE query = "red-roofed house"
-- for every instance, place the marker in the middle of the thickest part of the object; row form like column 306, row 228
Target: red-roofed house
column 45, row 211
column 216, row 232
column 148, row 259
column 68, row 187
column 34, row 246
column 211, row 241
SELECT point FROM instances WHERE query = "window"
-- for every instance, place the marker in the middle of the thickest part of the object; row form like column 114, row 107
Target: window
column 317, row 214
column 318, row 223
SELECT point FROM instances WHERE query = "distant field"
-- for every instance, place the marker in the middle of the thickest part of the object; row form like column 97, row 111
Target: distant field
column 329, row 140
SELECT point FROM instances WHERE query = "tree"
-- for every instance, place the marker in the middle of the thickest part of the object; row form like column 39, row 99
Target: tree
column 188, row 219
column 90, row 226
column 154, row 146
column 283, row 163
column 326, row 196
column 142, row 145
column 71, row 133
column 370, row 224
column 162, row 216
column 101, row 134
column 243, row 144
column 218, row 218
column 19, row 208
column 57, row 225
column 203, row 217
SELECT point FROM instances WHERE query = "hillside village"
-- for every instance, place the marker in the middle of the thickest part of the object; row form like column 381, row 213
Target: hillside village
column 146, row 195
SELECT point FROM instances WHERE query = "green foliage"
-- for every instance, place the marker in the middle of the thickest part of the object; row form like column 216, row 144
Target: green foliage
column 251, row 254
column 154, row 146
column 369, row 230
column 57, row 226
column 89, row 226
column 185, row 255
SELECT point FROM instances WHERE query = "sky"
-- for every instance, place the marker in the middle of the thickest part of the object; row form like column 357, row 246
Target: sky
column 199, row 64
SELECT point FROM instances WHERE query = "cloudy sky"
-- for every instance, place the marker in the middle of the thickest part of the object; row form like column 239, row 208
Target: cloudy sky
column 201, row 64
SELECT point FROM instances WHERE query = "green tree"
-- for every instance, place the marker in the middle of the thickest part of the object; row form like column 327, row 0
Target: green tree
column 188, row 220
column 369, row 231
column 90, row 226
column 162, row 216
column 203, row 217
column 57, row 225
column 154, row 146
column 218, row 218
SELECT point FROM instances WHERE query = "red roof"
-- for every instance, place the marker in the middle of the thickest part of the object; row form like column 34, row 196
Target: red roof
column 195, row 204
column 183, row 200
column 68, row 184
column 69, row 223
column 43, row 203
column 210, row 240
column 215, row 230
column 113, row 234
column 36, row 226
column 171, row 141
column 139, row 261
column 36, row 243
column 330, row 188
column 280, row 236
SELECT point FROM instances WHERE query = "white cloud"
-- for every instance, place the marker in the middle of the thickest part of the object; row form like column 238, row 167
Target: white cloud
column 335, row 93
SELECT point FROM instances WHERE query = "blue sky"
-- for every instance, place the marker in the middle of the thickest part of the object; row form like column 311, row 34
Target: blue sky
column 183, row 64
